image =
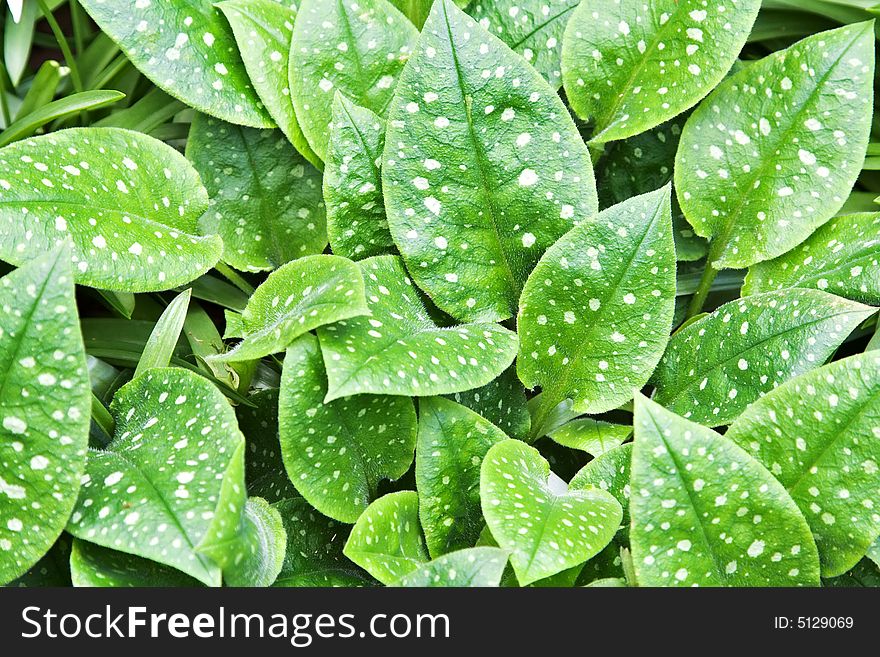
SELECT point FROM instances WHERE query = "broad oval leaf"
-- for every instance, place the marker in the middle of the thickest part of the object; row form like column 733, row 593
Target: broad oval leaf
column 595, row 437
column 629, row 66
column 44, row 409
column 265, row 199
column 254, row 554
column 842, row 257
column 483, row 168
column 263, row 30
column 128, row 203
column 532, row 28
column 452, row 442
column 171, row 479
column 818, row 435
column 314, row 549
column 186, row 49
column 718, row 365
column 643, row 163
column 356, row 221
column 773, row 152
column 610, row 472
column 95, row 566
column 399, row 350
column 502, row 402
column 337, row 453
column 723, row 520
column 472, row 567
column 595, row 314
column 387, row 540
column 296, row 298
column 545, row 530
column 358, row 49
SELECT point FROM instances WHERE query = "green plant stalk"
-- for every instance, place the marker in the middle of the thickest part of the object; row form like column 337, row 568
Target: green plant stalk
column 102, row 416
column 4, row 106
column 234, row 277
column 69, row 59
column 79, row 26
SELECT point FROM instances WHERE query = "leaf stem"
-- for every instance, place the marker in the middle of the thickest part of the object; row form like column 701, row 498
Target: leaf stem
column 702, row 291
column 65, row 48
column 102, row 416
column 4, row 105
column 234, row 277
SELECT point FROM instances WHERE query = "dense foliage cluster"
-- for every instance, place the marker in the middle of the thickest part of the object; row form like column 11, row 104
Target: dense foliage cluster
column 500, row 292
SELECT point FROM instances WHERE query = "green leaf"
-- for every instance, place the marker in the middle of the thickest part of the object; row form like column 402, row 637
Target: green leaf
column 163, row 340
column 337, row 453
column 62, row 108
column 643, row 163
column 865, row 574
column 386, row 540
column 545, row 529
column 356, row 221
column 610, row 472
column 314, row 549
column 718, row 365
column 772, row 154
column 265, row 198
column 843, row 257
column 358, row 49
column 186, row 49
column 52, row 570
column 473, row 567
column 254, row 555
column 706, row 513
column 609, row 582
column 44, row 410
column 295, row 299
column 44, row 84
column 264, row 469
column 502, row 401
column 128, row 202
column 483, row 168
column 590, row 435
column 818, row 435
column 595, row 314
column 399, row 350
column 18, row 37
column 629, row 66
column 532, row 28
column 173, row 477
column 95, row 566
column 263, row 30
column 452, row 444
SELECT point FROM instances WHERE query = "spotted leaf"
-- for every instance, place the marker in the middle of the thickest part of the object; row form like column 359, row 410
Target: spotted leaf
column 314, row 549
column 772, row 154
column 171, row 479
column 265, row 198
column 595, row 314
column 44, row 410
column 452, row 443
column 295, row 299
column 502, row 401
column 610, row 471
column 254, row 554
column 387, row 541
column 842, row 257
column 818, row 435
column 483, row 168
column 356, row 219
column 723, row 519
column 721, row 363
column 643, row 163
column 264, row 469
column 629, row 66
column 545, row 527
column 95, row 566
column 399, row 350
column 358, row 49
column 263, row 30
column 337, row 453
column 188, row 50
column 473, row 567
column 128, row 203
column 590, row 435
column 533, row 28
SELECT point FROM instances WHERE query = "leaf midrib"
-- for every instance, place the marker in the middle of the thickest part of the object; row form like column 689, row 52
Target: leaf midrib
column 540, row 26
